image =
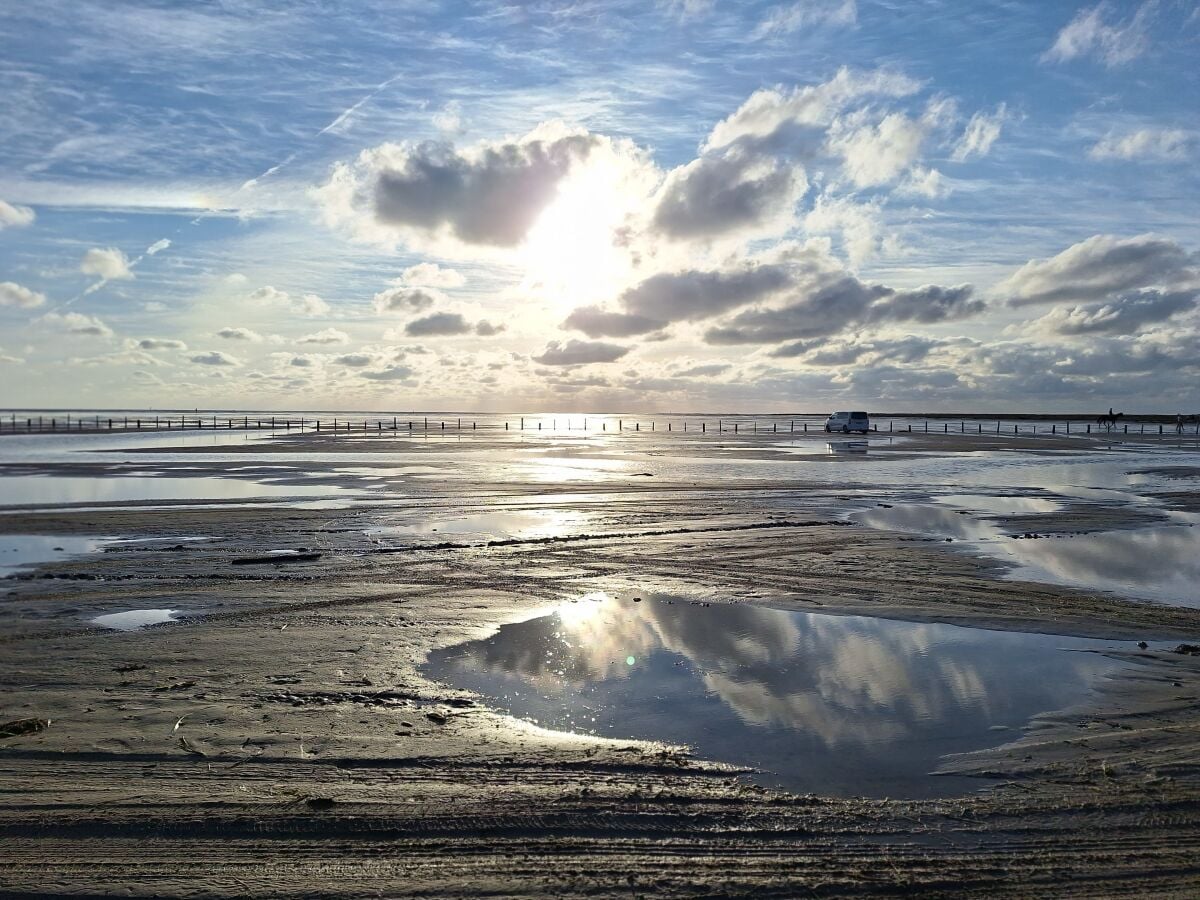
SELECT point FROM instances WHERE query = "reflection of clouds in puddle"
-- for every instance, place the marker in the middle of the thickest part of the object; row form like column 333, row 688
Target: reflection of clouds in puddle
column 994, row 505
column 1159, row 563
column 812, row 697
column 20, row 550
column 133, row 619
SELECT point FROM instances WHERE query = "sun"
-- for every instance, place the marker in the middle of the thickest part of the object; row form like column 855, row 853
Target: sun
column 571, row 255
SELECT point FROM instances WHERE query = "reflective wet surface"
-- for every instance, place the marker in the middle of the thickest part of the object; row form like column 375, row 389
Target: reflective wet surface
column 1155, row 563
column 851, row 706
column 18, row 551
column 133, row 619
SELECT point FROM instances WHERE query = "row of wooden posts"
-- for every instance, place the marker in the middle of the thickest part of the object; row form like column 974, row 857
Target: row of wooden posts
column 42, row 424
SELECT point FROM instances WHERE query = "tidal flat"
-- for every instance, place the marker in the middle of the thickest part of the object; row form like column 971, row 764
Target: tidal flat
column 590, row 664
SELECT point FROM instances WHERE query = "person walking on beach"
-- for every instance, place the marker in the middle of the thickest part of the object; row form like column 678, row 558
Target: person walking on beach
column 1179, row 423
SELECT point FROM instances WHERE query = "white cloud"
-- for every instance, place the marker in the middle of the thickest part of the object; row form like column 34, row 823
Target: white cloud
column 215, row 358
column 1090, row 34
column 159, row 344
column 76, row 323
column 768, row 111
column 1097, row 268
column 305, row 305
column 13, row 216
column 1144, row 145
column 108, row 263
column 807, row 13
column 231, row 333
column 877, row 154
column 158, row 247
column 406, row 299
column 325, row 336
column 859, row 224
column 579, row 353
column 431, row 275
column 13, row 294
column 488, row 195
column 981, row 132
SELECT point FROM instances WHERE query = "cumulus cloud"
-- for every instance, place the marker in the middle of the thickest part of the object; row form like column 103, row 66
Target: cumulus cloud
column 714, row 195
column 484, row 328
column 1144, row 145
column 766, row 113
column 406, row 299
column 828, row 303
column 432, row 275
column 300, row 362
column 354, row 360
column 1123, row 315
column 488, row 195
column 981, row 132
column 878, row 153
column 707, row 370
column 860, row 226
column 215, row 358
column 325, row 336
column 107, row 263
column 807, row 13
column 76, row 323
column 304, row 305
column 691, row 295
column 13, row 294
column 240, row 334
column 596, row 322
column 1098, row 267
column 1091, row 34
column 391, row 373
column 438, row 325
column 13, row 216
column 578, row 353
column 160, row 344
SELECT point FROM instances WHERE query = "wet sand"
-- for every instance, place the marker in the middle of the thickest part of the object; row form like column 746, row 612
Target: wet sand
column 280, row 739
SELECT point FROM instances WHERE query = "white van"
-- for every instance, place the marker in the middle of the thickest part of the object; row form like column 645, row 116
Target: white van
column 846, row 422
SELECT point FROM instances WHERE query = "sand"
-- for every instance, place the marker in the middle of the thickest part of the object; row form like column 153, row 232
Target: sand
column 284, row 743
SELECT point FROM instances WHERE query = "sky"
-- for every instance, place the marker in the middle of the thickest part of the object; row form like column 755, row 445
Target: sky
column 601, row 205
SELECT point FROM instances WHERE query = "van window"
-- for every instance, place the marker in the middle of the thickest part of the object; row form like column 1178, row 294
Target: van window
column 858, row 415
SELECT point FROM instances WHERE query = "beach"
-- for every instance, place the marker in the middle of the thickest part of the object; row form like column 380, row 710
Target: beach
column 273, row 723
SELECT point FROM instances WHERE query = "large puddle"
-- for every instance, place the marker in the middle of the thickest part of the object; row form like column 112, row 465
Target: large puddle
column 835, row 705
column 52, row 490
column 1157, row 563
column 19, row 551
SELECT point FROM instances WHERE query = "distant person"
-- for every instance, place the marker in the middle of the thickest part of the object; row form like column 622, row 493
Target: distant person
column 1179, row 423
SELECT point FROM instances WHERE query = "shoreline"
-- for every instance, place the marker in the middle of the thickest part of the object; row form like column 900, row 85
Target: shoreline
column 264, row 741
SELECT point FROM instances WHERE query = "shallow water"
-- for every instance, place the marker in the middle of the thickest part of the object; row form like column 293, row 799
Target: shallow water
column 51, row 490
column 851, row 706
column 1160, row 562
column 133, row 619
column 18, row 551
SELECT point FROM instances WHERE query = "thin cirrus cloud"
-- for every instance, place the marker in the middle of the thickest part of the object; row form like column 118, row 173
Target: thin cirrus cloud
column 1145, row 145
column 1097, row 31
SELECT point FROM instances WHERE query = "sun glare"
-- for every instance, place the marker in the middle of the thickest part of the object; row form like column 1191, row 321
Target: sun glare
column 570, row 254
